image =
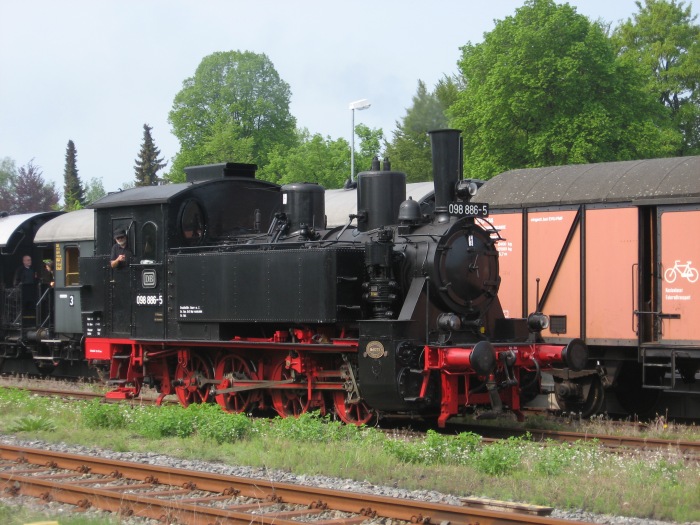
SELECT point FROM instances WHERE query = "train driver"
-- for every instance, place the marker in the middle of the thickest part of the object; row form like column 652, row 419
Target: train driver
column 121, row 254
column 26, row 279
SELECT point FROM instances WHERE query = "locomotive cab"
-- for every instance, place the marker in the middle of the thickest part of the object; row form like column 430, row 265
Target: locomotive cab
column 164, row 226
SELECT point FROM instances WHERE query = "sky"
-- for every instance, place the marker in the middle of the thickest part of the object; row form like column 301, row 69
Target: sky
column 96, row 71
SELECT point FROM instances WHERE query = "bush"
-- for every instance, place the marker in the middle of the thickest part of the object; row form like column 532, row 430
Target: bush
column 554, row 458
column 435, row 449
column 213, row 423
column 165, row 421
column 500, row 458
column 97, row 414
column 314, row 428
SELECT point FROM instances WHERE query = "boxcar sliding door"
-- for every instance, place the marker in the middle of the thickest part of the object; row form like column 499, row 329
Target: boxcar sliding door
column 679, row 272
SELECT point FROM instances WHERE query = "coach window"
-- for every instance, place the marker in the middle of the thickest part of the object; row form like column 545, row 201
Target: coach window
column 72, row 256
column 192, row 222
column 149, row 237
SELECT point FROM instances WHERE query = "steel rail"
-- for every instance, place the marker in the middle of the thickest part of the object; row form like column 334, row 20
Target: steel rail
column 638, row 443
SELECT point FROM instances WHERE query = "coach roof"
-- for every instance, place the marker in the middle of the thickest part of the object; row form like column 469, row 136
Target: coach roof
column 667, row 179
column 76, row 225
column 21, row 224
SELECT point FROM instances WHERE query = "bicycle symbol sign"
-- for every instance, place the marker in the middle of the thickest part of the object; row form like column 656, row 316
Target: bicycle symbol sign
column 681, row 270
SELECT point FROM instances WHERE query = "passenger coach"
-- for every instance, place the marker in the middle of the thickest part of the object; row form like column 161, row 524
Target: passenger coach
column 21, row 327
column 63, row 241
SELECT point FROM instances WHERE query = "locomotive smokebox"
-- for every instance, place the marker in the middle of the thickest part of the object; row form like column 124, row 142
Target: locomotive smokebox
column 304, row 203
column 379, row 197
column 447, row 167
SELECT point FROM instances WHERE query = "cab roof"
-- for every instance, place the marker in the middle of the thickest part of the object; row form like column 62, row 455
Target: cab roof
column 143, row 195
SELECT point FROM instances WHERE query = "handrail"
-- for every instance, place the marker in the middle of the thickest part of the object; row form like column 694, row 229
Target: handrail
column 44, row 298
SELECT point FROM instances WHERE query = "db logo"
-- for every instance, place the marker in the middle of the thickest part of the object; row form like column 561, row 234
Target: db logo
column 148, row 278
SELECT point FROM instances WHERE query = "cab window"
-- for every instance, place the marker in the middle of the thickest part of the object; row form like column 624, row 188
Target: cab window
column 149, row 237
column 192, row 222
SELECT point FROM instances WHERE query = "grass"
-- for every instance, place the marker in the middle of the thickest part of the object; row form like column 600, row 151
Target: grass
column 19, row 515
column 578, row 476
column 658, row 428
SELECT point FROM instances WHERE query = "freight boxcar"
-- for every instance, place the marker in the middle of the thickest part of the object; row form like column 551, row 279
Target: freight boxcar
column 609, row 252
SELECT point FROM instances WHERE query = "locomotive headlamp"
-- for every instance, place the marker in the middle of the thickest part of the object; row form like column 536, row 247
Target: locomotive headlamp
column 537, row 322
column 466, row 189
column 449, row 322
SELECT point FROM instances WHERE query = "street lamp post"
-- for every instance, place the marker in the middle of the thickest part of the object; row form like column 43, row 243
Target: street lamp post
column 358, row 105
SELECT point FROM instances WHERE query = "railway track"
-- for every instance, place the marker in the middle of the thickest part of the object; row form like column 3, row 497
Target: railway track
column 203, row 498
column 688, row 448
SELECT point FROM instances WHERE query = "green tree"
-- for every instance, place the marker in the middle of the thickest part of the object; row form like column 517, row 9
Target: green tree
column 73, row 196
column 94, row 190
column 147, row 163
column 409, row 151
column 234, row 108
column 448, row 89
column 321, row 160
column 370, row 147
column 27, row 192
column 314, row 159
column 664, row 41
column 545, row 88
column 8, row 171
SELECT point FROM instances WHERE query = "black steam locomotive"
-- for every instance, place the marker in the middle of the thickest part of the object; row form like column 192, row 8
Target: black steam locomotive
column 236, row 291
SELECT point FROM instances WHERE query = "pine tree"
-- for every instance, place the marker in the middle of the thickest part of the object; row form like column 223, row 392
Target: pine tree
column 148, row 163
column 73, row 194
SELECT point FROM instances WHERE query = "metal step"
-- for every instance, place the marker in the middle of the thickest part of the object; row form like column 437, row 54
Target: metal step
column 668, row 364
